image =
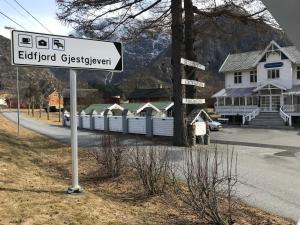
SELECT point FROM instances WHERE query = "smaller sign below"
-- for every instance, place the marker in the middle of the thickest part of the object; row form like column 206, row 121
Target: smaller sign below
column 192, row 82
column 192, row 64
column 193, row 101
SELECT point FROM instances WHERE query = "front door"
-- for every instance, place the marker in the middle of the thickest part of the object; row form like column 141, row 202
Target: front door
column 270, row 103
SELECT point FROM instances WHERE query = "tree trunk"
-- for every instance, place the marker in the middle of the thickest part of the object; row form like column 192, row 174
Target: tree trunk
column 32, row 107
column 40, row 112
column 28, row 109
column 180, row 125
column 59, row 107
column 48, row 111
column 190, row 72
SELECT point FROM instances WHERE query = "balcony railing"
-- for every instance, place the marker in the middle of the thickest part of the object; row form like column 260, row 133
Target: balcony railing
column 235, row 110
column 291, row 108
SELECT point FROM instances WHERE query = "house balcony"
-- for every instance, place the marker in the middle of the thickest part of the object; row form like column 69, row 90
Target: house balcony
column 235, row 110
column 291, row 109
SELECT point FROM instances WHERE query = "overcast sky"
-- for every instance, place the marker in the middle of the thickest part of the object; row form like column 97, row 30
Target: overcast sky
column 43, row 10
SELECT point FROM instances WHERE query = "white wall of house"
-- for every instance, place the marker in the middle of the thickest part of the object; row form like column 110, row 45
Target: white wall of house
column 229, row 80
column 286, row 72
column 295, row 80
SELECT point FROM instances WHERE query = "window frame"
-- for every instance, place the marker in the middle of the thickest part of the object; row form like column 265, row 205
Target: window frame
column 273, row 74
column 298, row 73
column 253, row 76
column 237, row 77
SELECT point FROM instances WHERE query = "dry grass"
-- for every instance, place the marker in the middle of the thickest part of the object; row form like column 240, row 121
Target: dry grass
column 53, row 116
column 35, row 171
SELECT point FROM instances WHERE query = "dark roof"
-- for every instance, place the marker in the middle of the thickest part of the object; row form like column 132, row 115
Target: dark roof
column 150, row 93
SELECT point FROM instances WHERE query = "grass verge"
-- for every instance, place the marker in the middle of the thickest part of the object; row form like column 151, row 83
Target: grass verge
column 35, row 171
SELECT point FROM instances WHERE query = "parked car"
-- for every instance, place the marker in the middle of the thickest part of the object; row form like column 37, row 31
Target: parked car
column 214, row 125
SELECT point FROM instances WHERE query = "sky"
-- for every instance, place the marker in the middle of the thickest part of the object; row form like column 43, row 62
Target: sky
column 43, row 10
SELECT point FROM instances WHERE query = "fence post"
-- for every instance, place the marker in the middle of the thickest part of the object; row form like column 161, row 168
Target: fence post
column 192, row 135
column 64, row 118
column 125, row 121
column 106, row 120
column 149, row 123
column 80, row 124
column 92, row 119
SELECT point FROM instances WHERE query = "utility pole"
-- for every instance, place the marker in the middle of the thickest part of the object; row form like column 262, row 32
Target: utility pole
column 180, row 124
column 189, row 40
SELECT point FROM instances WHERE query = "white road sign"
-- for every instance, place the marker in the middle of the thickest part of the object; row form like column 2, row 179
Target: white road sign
column 192, row 82
column 192, row 64
column 46, row 50
column 193, row 101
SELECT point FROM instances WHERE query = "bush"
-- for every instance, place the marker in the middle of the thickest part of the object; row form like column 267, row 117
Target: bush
column 152, row 166
column 111, row 156
column 210, row 180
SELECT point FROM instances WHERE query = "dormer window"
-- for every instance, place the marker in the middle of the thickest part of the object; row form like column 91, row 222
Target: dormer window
column 238, row 77
column 253, row 76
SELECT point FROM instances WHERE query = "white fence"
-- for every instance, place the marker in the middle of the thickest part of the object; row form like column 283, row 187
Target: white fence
column 157, row 126
column 137, row 125
column 115, row 123
column 86, row 122
column 163, row 126
column 98, row 122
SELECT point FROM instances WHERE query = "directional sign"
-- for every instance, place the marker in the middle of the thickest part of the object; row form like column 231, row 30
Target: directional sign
column 192, row 64
column 46, row 50
column 192, row 82
column 193, row 101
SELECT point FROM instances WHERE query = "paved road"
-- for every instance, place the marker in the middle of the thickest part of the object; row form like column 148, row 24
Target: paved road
column 269, row 175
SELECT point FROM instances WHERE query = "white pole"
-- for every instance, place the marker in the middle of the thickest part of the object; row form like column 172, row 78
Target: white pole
column 74, row 142
column 18, row 101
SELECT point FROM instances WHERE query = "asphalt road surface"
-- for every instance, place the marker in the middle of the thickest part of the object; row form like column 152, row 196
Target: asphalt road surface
column 268, row 162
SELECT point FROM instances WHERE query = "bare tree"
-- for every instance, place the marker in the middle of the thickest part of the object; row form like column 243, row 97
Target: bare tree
column 104, row 19
column 209, row 183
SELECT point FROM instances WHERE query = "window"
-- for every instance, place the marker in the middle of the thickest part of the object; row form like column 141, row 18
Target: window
column 228, row 101
column 253, row 76
column 298, row 72
column 250, row 100
column 273, row 74
column 238, row 77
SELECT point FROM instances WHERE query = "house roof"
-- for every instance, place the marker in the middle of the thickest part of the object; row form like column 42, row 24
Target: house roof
column 234, row 92
column 99, row 108
column 163, row 105
column 150, row 93
column 295, row 90
column 248, row 60
column 138, row 107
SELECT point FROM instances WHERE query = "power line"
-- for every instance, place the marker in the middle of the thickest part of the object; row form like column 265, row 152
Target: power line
column 12, row 20
column 32, row 16
column 13, row 7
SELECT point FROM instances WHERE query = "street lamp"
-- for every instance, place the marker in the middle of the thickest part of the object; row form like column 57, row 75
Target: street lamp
column 18, row 92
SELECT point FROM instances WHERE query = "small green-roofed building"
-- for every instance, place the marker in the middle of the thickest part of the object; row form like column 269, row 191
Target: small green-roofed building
column 140, row 108
column 163, row 105
column 100, row 108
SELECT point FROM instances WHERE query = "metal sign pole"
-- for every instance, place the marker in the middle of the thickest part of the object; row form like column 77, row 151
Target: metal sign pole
column 74, row 142
column 18, row 101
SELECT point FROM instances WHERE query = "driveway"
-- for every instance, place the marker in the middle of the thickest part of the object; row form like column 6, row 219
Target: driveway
column 269, row 176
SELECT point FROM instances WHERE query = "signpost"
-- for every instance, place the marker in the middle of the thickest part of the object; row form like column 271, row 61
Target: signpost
column 192, row 64
column 192, row 82
column 193, row 101
column 44, row 50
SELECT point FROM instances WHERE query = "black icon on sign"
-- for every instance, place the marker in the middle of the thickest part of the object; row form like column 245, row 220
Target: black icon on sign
column 42, row 42
column 58, row 44
column 25, row 40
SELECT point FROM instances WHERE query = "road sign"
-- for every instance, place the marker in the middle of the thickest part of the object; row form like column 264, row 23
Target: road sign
column 35, row 49
column 192, row 82
column 192, row 64
column 193, row 101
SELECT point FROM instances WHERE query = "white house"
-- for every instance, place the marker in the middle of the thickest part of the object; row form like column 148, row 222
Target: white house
column 260, row 85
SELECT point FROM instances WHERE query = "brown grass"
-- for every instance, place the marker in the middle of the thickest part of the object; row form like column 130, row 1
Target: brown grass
column 35, row 172
column 53, row 116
